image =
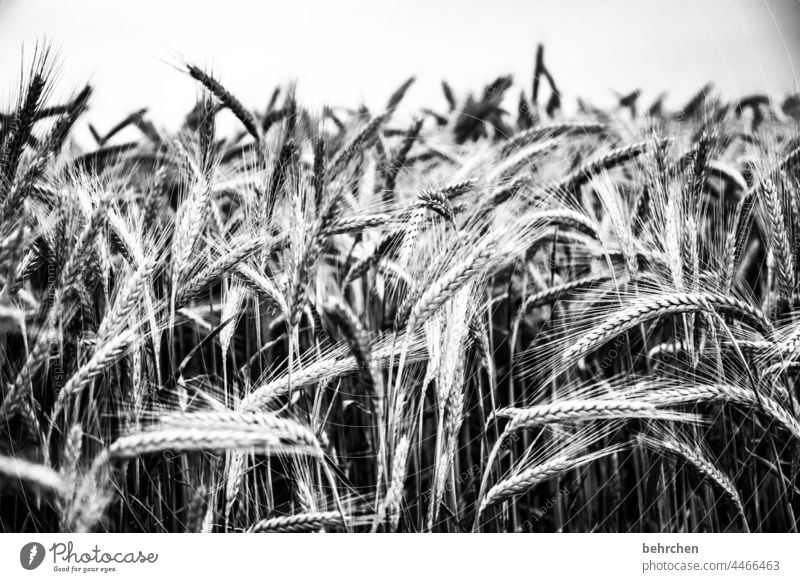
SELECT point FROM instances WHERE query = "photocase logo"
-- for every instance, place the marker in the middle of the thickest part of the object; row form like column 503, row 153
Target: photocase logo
column 31, row 555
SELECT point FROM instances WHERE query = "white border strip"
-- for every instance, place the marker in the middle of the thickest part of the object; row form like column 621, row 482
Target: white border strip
column 406, row 558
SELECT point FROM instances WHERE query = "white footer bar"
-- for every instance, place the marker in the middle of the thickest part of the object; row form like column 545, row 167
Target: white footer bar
column 407, row 558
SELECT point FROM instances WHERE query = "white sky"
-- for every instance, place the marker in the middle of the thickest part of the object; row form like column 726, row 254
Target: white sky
column 352, row 50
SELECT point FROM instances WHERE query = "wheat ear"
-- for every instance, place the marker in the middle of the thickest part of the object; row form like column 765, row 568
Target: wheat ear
column 302, row 522
column 35, row 476
column 243, row 115
column 586, row 410
column 660, row 306
column 357, row 144
column 702, row 465
column 779, row 240
column 529, row 478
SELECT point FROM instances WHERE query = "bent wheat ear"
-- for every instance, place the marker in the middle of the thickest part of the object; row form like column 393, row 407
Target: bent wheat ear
column 357, row 223
column 727, row 393
column 438, row 202
column 552, row 294
column 214, row 432
column 662, row 305
column 14, row 400
column 242, row 114
column 328, row 367
column 529, row 478
column 609, row 161
column 704, row 466
column 127, row 300
column 381, row 249
column 535, row 134
column 359, row 341
column 107, row 355
column 223, row 265
column 356, row 145
column 586, row 410
column 37, row 477
column 454, row 190
column 284, row 429
column 453, row 280
column 301, row 522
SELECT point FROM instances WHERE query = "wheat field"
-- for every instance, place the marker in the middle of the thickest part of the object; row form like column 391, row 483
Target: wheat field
column 459, row 319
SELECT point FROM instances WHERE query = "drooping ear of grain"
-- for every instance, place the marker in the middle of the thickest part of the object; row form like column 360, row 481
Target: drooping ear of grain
column 241, row 113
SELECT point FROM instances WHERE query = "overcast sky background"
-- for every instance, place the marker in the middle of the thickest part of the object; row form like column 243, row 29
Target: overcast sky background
column 349, row 51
